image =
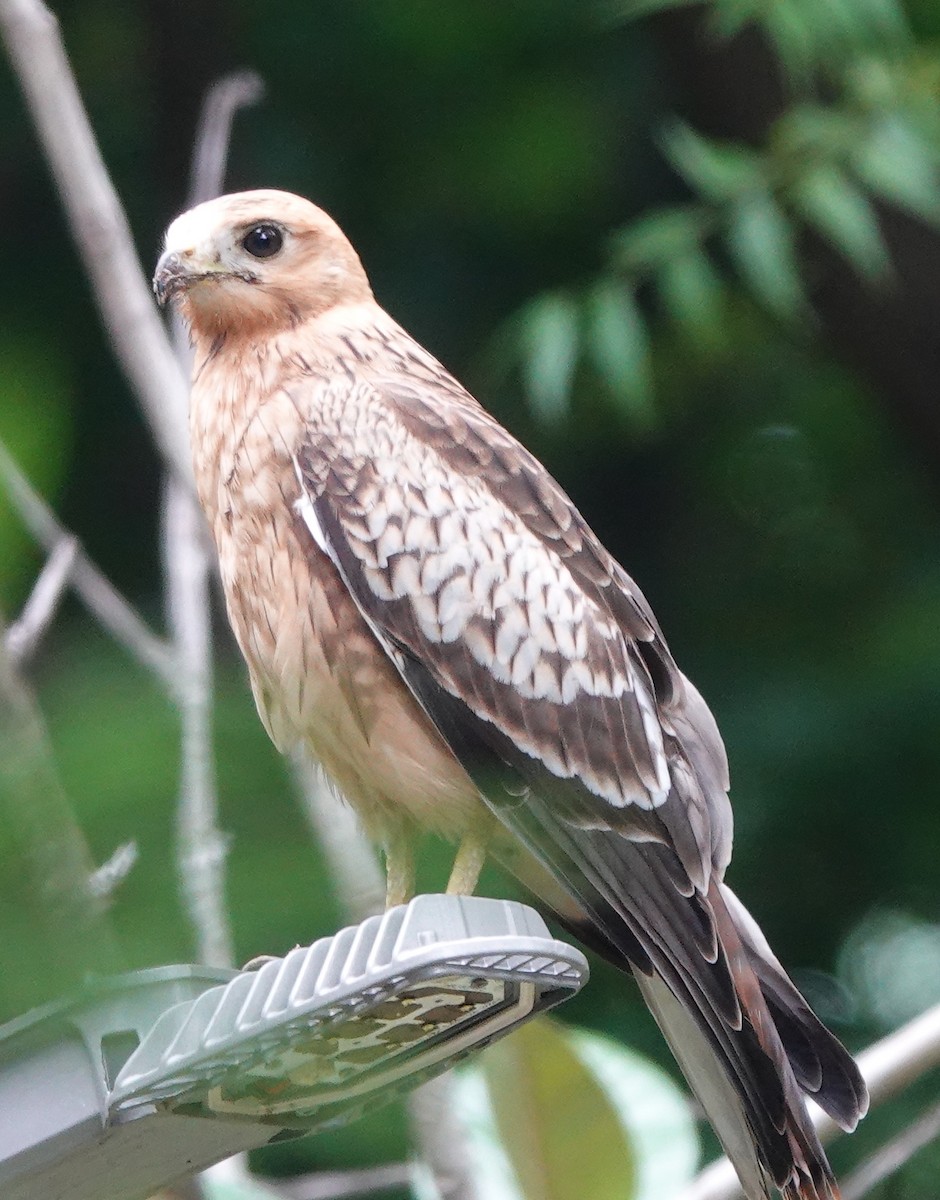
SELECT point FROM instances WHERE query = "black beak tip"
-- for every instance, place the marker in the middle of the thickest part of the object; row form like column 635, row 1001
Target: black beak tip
column 170, row 277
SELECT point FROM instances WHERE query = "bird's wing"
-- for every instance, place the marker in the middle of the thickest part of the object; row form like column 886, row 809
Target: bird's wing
column 542, row 666
column 485, row 584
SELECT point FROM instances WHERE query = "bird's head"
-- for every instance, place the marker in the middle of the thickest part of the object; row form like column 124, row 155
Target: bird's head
column 257, row 260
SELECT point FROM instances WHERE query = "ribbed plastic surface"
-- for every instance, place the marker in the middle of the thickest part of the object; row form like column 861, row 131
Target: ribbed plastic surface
column 308, row 1039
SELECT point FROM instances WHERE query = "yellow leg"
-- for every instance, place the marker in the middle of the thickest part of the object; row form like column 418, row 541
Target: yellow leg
column 468, row 864
column 399, row 870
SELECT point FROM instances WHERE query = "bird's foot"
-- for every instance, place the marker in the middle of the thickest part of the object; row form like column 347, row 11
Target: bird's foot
column 468, row 863
column 399, row 871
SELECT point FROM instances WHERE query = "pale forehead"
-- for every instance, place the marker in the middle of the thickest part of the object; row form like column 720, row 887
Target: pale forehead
column 206, row 221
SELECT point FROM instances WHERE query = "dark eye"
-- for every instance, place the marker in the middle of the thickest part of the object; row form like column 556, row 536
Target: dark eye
column 263, row 241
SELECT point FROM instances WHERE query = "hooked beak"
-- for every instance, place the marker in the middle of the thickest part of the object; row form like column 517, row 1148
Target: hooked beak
column 172, row 275
column 179, row 272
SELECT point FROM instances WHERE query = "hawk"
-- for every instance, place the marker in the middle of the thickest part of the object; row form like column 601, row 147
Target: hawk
column 425, row 612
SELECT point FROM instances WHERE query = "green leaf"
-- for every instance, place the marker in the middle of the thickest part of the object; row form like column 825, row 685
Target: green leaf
column 814, row 129
column 693, row 295
column 761, row 242
column 619, row 1125
column 898, row 165
column 549, row 336
column 720, row 170
column 797, row 34
column 830, row 202
column 654, row 1109
column 654, row 239
column 618, row 346
column 878, row 25
column 562, row 1133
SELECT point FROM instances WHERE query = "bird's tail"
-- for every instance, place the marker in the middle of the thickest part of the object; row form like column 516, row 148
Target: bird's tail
column 779, row 1030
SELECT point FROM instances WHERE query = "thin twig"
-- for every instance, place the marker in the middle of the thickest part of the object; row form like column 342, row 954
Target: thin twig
column 893, row 1155
column 441, row 1138
column 98, row 595
column 239, row 90
column 435, row 1124
column 351, row 861
column 99, row 225
column 903, row 1056
column 888, row 1067
column 106, row 879
column 202, row 847
column 26, row 632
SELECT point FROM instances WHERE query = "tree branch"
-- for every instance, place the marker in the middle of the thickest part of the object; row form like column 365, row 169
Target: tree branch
column 92, row 587
column 435, row 1124
column 241, row 89
column 350, row 859
column 99, row 225
column 893, row 1155
column 25, row 633
column 888, row 1067
column 106, row 879
column 202, row 847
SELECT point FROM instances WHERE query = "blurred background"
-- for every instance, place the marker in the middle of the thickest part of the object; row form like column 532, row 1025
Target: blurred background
column 691, row 256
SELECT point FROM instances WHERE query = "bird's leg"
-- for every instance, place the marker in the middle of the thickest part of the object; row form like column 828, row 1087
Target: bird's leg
column 468, row 864
column 399, row 870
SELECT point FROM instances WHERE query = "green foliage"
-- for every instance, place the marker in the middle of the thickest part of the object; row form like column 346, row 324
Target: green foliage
column 809, row 35
column 823, row 168
column 601, row 328
column 560, row 1114
column 549, row 336
column 558, row 1127
column 618, row 347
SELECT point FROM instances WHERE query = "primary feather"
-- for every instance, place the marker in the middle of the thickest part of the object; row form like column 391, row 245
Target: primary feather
column 424, row 610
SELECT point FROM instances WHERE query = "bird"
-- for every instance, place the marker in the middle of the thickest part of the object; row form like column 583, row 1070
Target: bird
column 425, row 613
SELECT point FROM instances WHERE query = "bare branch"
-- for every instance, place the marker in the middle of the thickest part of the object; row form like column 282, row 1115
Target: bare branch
column 888, row 1067
column 352, row 864
column 239, row 90
column 98, row 595
column 893, row 1155
column 99, row 226
column 202, row 847
column 435, row 1124
column 105, row 880
column 901, row 1057
column 441, row 1138
column 26, row 632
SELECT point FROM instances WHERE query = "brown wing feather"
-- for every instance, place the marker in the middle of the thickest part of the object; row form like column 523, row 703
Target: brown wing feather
column 540, row 663
column 448, row 566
